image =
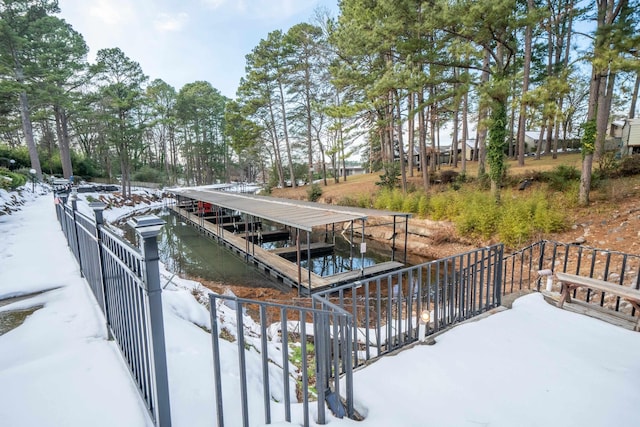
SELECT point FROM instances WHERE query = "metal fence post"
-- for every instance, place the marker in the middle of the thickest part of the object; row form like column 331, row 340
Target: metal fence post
column 148, row 228
column 498, row 273
column 63, row 218
column 74, row 207
column 98, row 210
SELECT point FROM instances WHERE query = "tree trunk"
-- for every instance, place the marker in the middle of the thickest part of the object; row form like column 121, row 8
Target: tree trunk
column 422, row 142
column 608, row 11
column 465, row 129
column 286, row 136
column 543, row 126
column 604, row 108
column 482, row 117
column 27, row 129
column 587, row 158
column 62, row 130
column 549, row 139
column 634, row 97
column 403, row 169
column 410, row 132
column 456, row 119
column 522, row 118
column 432, row 122
column 308, row 107
column 455, row 139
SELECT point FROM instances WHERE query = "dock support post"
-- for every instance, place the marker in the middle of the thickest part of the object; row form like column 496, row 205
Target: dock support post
column 351, row 247
column 363, row 249
column 309, row 259
column 406, row 235
column 298, row 260
column 393, row 240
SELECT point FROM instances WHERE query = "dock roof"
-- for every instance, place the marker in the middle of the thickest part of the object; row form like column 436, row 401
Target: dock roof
column 299, row 214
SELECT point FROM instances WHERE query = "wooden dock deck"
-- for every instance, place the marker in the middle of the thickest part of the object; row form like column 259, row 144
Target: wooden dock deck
column 277, row 266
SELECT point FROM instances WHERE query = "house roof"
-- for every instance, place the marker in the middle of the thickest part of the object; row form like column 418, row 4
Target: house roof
column 535, row 135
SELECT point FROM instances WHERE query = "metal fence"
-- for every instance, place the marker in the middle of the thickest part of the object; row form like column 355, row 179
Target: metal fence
column 302, row 351
column 126, row 284
column 399, row 308
column 521, row 270
column 344, row 327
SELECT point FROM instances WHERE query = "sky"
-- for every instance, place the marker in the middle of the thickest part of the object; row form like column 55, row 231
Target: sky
column 189, row 40
column 532, row 365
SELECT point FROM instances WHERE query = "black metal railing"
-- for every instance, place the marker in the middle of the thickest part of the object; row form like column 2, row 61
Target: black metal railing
column 314, row 350
column 521, row 270
column 396, row 309
column 126, row 284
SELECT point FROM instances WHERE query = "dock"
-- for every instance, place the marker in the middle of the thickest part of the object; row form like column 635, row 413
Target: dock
column 275, row 265
column 210, row 211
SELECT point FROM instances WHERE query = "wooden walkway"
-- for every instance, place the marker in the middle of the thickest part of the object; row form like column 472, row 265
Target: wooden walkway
column 275, row 265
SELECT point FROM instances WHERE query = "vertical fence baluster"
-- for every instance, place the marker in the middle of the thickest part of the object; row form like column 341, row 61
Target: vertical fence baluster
column 265, row 364
column 305, row 378
column 217, row 371
column 284, row 330
column 367, row 321
column 242, row 366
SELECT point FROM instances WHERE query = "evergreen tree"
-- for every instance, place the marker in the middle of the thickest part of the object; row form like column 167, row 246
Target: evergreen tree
column 121, row 94
column 18, row 19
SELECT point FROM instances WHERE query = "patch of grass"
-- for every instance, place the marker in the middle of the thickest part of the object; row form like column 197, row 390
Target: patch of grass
column 225, row 334
column 561, row 177
column 295, row 357
column 12, row 319
column 630, row 165
column 10, row 180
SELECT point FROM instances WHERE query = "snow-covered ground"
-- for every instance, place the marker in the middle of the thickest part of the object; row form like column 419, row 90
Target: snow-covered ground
column 533, row 365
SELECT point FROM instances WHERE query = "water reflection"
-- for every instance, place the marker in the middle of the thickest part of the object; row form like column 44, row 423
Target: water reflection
column 186, row 252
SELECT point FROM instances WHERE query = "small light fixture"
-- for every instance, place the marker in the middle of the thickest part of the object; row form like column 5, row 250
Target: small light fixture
column 425, row 316
column 33, row 172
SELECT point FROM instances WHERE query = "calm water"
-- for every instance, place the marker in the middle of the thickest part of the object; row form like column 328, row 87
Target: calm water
column 185, row 251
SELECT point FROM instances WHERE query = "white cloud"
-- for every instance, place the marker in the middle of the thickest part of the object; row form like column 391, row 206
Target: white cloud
column 112, row 12
column 167, row 22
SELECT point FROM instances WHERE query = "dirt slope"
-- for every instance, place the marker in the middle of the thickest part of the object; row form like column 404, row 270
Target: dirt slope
column 612, row 220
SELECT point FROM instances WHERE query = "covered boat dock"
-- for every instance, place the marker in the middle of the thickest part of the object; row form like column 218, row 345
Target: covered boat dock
column 238, row 221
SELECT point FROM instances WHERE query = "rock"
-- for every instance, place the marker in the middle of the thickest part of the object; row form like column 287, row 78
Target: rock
column 580, row 240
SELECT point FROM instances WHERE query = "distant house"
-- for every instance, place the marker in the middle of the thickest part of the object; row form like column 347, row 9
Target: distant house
column 615, row 130
column 532, row 140
column 351, row 168
column 447, row 151
column 630, row 137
